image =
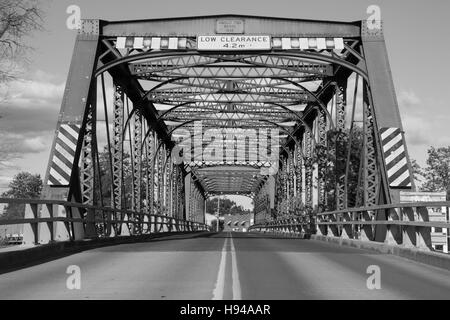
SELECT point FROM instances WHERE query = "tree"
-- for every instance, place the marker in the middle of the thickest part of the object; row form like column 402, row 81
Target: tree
column 214, row 225
column 416, row 170
column 106, row 180
column 335, row 156
column 226, row 206
column 23, row 186
column 18, row 18
column 437, row 172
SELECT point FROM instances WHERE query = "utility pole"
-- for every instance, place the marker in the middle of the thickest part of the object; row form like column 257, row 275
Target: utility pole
column 217, row 214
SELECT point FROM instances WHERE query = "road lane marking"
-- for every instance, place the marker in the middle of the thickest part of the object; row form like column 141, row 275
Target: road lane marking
column 220, row 283
column 235, row 273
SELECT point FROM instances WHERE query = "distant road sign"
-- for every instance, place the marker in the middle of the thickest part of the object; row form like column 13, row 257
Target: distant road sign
column 233, row 42
column 230, row 26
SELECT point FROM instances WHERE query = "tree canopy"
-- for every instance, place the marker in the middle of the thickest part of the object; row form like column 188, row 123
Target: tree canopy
column 23, row 186
column 226, row 206
column 18, row 18
column 437, row 172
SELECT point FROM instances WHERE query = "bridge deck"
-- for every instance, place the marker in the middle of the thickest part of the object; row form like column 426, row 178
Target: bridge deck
column 227, row 266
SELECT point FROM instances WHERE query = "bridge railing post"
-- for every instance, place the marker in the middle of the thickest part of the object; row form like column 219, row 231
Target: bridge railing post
column 332, row 229
column 366, row 231
column 62, row 230
column 90, row 224
column 408, row 232
column 393, row 232
column 321, row 228
column 347, row 229
column 30, row 230
column 151, row 223
column 145, row 226
column 423, row 234
column 156, row 224
column 78, row 227
column 124, row 229
column 46, row 231
column 108, row 212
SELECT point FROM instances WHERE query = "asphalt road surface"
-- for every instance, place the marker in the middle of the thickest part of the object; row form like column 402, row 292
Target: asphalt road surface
column 227, row 266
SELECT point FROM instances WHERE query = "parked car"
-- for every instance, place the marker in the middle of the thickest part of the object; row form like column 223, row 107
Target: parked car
column 15, row 239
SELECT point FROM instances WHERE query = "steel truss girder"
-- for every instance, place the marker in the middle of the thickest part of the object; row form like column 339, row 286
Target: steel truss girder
column 150, row 190
column 249, row 60
column 308, row 163
column 298, row 170
column 117, row 146
column 218, row 123
column 243, row 66
column 224, row 109
column 322, row 158
column 223, row 72
column 167, row 183
column 241, row 117
column 220, row 98
column 245, row 85
column 341, row 110
column 253, row 94
column 137, row 166
column 314, row 56
column 202, row 109
column 160, row 175
column 87, row 170
column 370, row 175
column 291, row 180
column 180, row 192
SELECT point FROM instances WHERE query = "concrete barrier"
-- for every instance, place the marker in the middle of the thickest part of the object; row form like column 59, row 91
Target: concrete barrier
column 440, row 260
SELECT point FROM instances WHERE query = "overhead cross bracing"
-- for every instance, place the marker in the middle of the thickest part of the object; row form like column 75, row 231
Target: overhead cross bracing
column 229, row 179
column 251, row 91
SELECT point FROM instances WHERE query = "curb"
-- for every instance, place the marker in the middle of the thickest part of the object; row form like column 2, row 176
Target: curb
column 435, row 259
column 13, row 260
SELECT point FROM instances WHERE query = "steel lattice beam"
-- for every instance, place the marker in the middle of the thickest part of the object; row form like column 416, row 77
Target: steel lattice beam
column 87, row 171
column 117, row 145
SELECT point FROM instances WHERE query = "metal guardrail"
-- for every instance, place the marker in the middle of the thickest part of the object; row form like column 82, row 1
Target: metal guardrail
column 406, row 224
column 47, row 221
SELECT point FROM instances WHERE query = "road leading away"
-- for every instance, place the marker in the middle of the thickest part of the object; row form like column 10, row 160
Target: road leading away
column 227, row 266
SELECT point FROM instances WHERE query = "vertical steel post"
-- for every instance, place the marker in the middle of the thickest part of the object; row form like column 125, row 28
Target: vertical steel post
column 137, row 169
column 117, row 153
column 322, row 159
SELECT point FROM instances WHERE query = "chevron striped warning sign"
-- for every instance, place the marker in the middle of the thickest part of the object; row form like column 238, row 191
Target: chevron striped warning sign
column 64, row 153
column 395, row 158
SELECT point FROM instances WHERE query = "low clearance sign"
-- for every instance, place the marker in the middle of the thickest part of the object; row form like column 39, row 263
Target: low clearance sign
column 234, row 42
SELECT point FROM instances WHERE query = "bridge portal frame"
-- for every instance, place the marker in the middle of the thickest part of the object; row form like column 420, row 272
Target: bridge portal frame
column 94, row 53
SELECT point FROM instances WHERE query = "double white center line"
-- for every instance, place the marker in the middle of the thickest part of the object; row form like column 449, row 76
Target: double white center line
column 220, row 283
column 235, row 273
column 219, row 289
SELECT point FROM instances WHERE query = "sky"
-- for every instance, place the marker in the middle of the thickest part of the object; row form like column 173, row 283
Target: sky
column 416, row 34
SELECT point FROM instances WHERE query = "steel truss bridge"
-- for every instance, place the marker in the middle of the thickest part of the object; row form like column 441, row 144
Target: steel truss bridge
column 154, row 121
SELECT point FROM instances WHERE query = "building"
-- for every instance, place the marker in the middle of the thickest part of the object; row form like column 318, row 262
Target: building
column 439, row 236
column 238, row 222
